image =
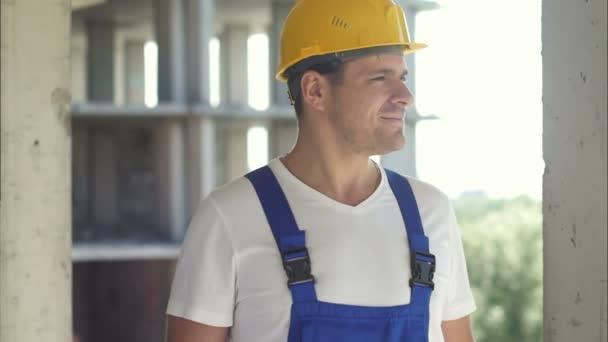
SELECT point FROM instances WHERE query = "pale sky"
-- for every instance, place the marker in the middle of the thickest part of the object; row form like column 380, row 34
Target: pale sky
column 482, row 76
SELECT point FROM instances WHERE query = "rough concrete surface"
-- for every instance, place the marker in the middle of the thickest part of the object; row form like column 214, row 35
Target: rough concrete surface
column 574, row 187
column 35, row 218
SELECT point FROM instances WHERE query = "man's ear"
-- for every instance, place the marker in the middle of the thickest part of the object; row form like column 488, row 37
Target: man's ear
column 314, row 90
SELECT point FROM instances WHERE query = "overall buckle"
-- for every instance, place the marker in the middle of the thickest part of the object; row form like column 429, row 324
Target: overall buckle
column 423, row 269
column 297, row 267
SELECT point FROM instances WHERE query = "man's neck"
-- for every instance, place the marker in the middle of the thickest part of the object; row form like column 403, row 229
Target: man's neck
column 344, row 177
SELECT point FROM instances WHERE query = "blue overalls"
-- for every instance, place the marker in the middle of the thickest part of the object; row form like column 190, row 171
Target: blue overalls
column 313, row 320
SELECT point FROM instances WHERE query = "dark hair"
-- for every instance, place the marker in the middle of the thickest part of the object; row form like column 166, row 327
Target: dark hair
column 333, row 69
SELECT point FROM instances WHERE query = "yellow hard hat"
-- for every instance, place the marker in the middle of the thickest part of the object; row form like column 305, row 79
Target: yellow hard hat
column 321, row 27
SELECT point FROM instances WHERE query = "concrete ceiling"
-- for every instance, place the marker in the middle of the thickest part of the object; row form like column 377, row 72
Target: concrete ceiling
column 256, row 13
column 118, row 11
column 80, row 4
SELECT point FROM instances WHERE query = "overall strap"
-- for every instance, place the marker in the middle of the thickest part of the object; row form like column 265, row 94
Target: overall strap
column 290, row 240
column 422, row 262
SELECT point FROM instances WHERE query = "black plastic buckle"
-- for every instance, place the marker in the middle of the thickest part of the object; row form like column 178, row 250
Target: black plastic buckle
column 297, row 268
column 422, row 270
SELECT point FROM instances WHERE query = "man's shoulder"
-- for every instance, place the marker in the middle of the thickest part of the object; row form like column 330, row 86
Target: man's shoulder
column 236, row 192
column 425, row 189
column 240, row 191
column 422, row 189
column 435, row 208
column 427, row 195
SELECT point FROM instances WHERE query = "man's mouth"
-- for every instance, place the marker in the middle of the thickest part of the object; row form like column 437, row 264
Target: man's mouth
column 392, row 117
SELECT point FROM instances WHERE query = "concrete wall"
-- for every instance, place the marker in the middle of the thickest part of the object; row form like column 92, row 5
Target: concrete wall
column 35, row 218
column 574, row 147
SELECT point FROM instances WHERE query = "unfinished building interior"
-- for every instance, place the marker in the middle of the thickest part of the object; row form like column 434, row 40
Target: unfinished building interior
column 162, row 110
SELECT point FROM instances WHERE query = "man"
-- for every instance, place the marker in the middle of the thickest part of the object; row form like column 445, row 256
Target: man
column 323, row 244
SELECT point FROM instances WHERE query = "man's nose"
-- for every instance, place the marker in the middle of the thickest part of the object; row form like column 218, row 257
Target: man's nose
column 403, row 96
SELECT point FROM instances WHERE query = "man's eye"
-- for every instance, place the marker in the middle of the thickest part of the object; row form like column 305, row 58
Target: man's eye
column 378, row 78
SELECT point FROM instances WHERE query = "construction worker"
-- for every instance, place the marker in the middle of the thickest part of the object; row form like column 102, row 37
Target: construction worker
column 323, row 244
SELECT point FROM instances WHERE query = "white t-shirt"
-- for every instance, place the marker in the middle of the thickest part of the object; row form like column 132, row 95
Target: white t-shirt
column 230, row 271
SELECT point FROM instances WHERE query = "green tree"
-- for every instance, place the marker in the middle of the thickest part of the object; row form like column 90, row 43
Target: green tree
column 502, row 241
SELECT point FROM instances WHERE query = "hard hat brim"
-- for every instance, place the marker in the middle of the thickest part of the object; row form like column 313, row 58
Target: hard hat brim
column 405, row 48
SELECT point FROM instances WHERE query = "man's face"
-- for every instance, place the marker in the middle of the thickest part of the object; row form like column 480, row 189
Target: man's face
column 367, row 106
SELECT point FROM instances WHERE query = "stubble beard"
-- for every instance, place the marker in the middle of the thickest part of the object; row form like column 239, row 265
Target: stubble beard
column 386, row 143
column 376, row 143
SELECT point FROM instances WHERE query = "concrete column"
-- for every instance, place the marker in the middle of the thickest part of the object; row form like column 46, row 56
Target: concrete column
column 233, row 68
column 201, row 131
column 35, row 217
column 202, row 160
column 574, row 184
column 282, row 137
column 177, row 164
column 129, row 41
column 100, row 61
column 104, row 167
column 81, row 168
column 278, row 90
column 171, row 40
column 233, row 150
column 173, row 36
column 134, row 73
column 201, row 28
column 78, row 56
column 171, row 177
column 404, row 160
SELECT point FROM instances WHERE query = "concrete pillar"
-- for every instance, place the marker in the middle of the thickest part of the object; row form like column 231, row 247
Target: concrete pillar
column 100, row 61
column 201, row 131
column 233, row 89
column 232, row 138
column 202, row 162
column 170, row 37
column 404, row 160
column 129, row 41
column 233, row 68
column 134, row 79
column 278, row 90
column 80, row 168
column 78, row 56
column 177, row 173
column 35, row 218
column 104, row 168
column 574, row 185
column 201, row 28
column 282, row 137
column 171, row 177
column 174, row 36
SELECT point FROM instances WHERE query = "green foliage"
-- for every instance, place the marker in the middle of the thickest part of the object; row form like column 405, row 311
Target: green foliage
column 503, row 245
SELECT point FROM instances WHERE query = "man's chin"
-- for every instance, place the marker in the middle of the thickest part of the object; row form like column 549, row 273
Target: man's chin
column 393, row 147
